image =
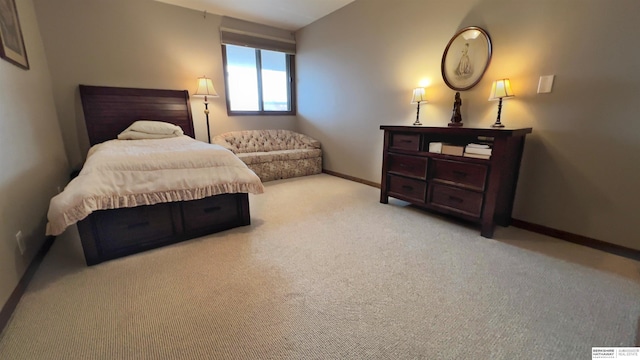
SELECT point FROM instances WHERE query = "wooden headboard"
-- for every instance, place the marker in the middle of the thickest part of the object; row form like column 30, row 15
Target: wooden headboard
column 110, row 110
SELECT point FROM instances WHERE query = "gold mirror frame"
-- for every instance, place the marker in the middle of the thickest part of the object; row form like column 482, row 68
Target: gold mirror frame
column 466, row 58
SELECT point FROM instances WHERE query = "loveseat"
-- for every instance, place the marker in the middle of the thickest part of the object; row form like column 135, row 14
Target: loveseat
column 274, row 154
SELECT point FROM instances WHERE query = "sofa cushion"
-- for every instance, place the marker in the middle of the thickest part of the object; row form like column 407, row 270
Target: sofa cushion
column 279, row 155
column 275, row 170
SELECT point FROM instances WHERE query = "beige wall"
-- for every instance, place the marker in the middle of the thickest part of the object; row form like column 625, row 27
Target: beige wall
column 32, row 155
column 135, row 43
column 580, row 173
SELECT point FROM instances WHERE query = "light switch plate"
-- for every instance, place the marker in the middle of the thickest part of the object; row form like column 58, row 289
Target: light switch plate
column 545, row 84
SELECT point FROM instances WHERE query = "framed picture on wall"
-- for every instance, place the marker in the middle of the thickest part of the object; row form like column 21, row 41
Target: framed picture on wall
column 466, row 58
column 12, row 44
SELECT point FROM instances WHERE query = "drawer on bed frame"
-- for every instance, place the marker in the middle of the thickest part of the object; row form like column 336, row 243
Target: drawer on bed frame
column 110, row 234
column 138, row 227
column 212, row 213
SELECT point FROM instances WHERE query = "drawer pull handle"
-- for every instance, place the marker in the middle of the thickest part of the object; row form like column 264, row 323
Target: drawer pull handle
column 212, row 209
column 407, row 187
column 404, row 166
column 459, row 173
column 456, row 199
column 406, row 141
column 138, row 225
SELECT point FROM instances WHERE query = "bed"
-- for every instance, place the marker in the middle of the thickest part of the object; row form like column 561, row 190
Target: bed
column 208, row 195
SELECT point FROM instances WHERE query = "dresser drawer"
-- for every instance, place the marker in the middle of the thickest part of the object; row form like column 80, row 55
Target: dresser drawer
column 410, row 142
column 408, row 165
column 407, row 189
column 463, row 201
column 469, row 175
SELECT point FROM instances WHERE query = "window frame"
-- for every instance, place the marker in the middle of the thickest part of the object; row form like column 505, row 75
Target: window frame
column 291, row 89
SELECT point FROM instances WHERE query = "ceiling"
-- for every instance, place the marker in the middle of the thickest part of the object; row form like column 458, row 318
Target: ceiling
column 284, row 14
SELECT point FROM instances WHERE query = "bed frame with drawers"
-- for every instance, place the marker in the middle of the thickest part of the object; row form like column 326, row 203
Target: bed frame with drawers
column 110, row 234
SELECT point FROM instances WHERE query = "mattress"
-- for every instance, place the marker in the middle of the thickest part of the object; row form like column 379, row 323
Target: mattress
column 129, row 173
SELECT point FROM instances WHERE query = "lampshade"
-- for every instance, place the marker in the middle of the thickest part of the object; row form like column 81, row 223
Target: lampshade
column 501, row 89
column 205, row 87
column 418, row 96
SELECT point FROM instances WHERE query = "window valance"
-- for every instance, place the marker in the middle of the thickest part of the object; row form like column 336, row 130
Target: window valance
column 244, row 33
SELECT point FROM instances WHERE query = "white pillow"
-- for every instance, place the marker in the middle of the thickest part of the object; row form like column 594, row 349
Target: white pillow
column 155, row 127
column 148, row 129
column 136, row 135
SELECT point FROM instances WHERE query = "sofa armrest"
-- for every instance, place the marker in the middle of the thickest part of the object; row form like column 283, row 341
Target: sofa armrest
column 307, row 141
column 219, row 140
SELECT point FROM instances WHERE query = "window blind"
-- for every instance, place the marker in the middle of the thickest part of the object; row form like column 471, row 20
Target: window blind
column 244, row 33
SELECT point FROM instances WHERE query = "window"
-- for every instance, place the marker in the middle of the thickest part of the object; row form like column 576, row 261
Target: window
column 258, row 82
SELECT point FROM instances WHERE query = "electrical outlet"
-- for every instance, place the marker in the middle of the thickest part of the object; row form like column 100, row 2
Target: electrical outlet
column 20, row 240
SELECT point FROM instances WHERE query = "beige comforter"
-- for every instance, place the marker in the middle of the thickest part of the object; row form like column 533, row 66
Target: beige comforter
column 128, row 173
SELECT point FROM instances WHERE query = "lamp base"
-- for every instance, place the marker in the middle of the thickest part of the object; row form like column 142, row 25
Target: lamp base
column 498, row 124
column 206, row 113
column 455, row 124
column 417, row 122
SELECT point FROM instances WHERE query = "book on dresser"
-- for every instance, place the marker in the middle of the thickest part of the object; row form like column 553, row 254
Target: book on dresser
column 482, row 149
column 435, row 147
column 478, row 151
column 479, row 145
column 450, row 149
column 477, row 156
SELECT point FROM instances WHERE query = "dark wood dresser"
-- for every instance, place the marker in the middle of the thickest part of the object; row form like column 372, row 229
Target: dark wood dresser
column 478, row 190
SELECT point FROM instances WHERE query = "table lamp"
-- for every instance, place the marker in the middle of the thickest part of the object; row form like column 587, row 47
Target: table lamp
column 499, row 90
column 418, row 97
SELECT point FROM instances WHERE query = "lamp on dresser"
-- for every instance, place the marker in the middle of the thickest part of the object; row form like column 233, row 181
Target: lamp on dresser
column 499, row 90
column 417, row 98
column 205, row 88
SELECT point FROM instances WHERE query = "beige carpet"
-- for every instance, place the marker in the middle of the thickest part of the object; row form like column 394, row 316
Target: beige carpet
column 327, row 272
